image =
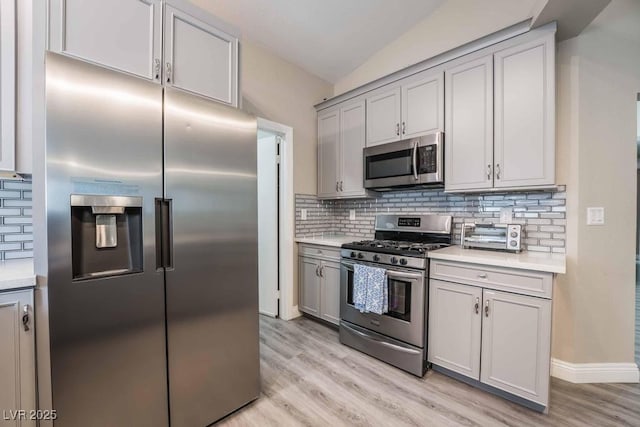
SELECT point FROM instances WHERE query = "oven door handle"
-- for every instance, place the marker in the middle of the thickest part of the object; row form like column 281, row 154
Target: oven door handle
column 380, row 342
column 414, row 159
column 390, row 273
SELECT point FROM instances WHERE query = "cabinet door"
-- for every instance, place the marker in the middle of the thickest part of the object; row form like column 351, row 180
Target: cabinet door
column 352, row 141
column 469, row 125
column 454, row 327
column 525, row 114
column 330, row 292
column 121, row 34
column 309, row 273
column 516, row 341
column 7, row 84
column 328, row 153
column 423, row 105
column 383, row 117
column 17, row 355
column 200, row 58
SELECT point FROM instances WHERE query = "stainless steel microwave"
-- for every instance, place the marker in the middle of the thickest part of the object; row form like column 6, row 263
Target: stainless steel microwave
column 410, row 162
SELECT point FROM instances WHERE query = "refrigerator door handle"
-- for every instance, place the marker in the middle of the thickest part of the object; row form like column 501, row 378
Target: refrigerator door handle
column 164, row 234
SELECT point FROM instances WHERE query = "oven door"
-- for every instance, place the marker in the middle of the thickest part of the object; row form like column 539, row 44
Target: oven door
column 405, row 320
column 416, row 161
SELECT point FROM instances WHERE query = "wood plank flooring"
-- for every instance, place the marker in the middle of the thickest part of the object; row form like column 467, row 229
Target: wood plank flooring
column 310, row 379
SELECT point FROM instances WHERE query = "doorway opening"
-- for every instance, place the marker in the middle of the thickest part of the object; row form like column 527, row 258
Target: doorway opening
column 637, row 348
column 275, row 220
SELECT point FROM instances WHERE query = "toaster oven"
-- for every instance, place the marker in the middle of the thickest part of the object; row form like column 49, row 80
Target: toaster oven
column 502, row 237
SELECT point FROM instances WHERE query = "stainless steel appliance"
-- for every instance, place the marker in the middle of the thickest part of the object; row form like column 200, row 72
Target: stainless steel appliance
column 149, row 312
column 398, row 337
column 503, row 237
column 406, row 163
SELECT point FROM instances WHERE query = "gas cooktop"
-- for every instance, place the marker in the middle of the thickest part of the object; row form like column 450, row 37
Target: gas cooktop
column 395, row 247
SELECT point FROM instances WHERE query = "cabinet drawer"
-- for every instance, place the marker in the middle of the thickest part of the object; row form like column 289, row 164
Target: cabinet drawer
column 524, row 282
column 319, row 251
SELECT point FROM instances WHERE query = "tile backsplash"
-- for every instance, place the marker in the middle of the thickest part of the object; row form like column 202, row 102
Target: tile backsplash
column 542, row 213
column 16, row 227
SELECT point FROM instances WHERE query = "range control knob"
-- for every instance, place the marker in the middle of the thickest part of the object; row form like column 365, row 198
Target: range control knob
column 403, row 261
column 376, row 258
column 513, row 243
column 352, row 255
column 394, row 260
column 514, row 234
column 360, row 256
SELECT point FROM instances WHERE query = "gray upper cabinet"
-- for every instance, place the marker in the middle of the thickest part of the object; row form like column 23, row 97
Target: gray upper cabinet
column 469, row 125
column 7, row 84
column 199, row 57
column 121, row 34
column 17, row 355
column 525, row 114
column 500, row 118
column 516, row 344
column 129, row 35
column 341, row 139
column 352, row 142
column 422, row 104
column 414, row 108
column 383, row 116
column 328, row 153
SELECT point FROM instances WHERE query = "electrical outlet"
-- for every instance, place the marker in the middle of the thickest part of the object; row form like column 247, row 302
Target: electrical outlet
column 303, row 214
column 595, row 216
column 352, row 214
column 506, row 215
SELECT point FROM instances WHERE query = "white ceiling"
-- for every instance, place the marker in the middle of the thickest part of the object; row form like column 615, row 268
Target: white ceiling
column 329, row 38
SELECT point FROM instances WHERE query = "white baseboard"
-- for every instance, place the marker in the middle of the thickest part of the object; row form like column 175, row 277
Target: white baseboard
column 595, row 372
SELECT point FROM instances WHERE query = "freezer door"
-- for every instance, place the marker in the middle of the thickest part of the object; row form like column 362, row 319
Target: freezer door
column 212, row 286
column 106, row 330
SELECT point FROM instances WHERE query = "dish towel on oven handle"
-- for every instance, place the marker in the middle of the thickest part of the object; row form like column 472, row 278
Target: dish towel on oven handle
column 370, row 291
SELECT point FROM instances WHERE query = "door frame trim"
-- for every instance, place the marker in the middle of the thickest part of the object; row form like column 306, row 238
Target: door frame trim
column 288, row 308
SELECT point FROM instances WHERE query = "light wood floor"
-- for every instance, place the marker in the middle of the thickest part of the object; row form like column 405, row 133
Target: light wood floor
column 310, row 379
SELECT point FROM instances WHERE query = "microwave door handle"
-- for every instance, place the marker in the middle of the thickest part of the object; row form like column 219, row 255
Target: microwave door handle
column 415, row 160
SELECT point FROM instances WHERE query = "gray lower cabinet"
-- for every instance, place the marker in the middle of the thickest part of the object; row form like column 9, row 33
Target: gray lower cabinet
column 17, row 358
column 319, row 287
column 501, row 339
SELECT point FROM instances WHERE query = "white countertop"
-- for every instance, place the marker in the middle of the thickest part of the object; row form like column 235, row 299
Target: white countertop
column 334, row 241
column 536, row 261
column 16, row 274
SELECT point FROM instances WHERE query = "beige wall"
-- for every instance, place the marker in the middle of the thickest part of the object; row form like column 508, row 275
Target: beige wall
column 599, row 78
column 277, row 90
column 454, row 23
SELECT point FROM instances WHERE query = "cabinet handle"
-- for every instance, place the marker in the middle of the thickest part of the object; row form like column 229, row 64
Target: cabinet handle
column 322, row 271
column 157, row 68
column 398, row 129
column 318, row 270
column 486, row 308
column 489, row 172
column 498, row 171
column 482, row 275
column 477, row 305
column 337, row 186
column 340, row 185
column 25, row 317
column 404, row 128
column 168, row 67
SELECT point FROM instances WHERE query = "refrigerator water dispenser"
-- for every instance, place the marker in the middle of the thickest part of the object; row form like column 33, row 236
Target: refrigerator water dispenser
column 106, row 235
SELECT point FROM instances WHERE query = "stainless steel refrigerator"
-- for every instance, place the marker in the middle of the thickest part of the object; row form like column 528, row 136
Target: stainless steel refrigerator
column 151, row 293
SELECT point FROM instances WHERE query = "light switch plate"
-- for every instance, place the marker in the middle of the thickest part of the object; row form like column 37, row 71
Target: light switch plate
column 303, row 214
column 352, row 214
column 506, row 215
column 595, row 216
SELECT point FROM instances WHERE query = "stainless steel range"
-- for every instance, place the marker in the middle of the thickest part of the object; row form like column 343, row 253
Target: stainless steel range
column 399, row 336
